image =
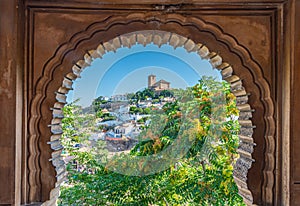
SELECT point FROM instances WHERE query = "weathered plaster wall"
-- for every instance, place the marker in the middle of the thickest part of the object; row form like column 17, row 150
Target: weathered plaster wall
column 8, row 63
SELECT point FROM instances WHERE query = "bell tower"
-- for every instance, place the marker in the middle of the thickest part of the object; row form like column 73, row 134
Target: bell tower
column 151, row 80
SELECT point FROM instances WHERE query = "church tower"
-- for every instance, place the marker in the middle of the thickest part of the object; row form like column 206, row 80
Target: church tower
column 151, row 80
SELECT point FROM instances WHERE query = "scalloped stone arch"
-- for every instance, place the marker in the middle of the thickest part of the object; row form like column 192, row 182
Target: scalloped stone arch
column 159, row 38
column 41, row 175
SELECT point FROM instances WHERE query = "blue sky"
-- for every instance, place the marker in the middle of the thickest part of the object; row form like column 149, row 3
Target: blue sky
column 127, row 71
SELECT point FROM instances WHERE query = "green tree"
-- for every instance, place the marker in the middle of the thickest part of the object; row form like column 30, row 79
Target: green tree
column 72, row 125
column 147, row 110
column 167, row 93
column 98, row 102
column 203, row 116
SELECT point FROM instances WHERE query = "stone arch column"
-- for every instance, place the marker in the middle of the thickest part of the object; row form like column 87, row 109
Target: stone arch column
column 55, row 67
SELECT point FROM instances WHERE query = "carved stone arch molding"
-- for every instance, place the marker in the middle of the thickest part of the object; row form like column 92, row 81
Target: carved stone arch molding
column 67, row 61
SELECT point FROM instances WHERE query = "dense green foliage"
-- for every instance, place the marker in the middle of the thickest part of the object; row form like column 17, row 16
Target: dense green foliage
column 148, row 93
column 202, row 120
column 138, row 110
column 73, row 122
column 96, row 104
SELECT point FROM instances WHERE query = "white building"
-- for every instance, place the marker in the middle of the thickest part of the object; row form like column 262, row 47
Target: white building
column 119, row 98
